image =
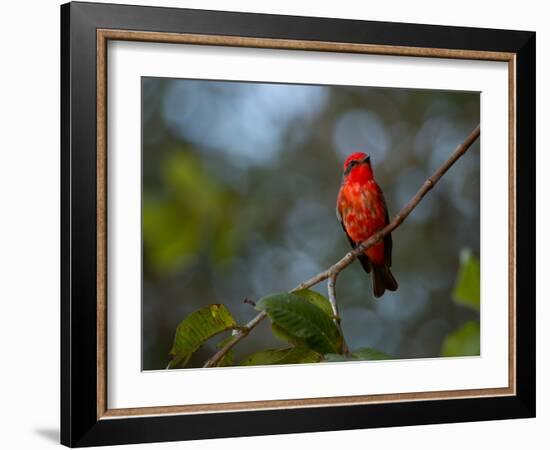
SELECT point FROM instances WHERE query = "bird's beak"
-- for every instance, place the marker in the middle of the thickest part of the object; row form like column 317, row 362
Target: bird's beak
column 366, row 159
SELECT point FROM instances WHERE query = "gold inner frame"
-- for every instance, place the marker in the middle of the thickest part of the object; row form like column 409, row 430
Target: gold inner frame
column 103, row 36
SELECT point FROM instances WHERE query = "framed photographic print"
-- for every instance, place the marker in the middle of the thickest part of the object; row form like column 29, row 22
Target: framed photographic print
column 276, row 224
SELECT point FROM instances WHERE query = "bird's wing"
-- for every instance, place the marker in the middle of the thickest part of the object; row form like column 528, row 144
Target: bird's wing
column 363, row 259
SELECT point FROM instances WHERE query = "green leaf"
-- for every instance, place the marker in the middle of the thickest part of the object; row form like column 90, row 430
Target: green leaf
column 302, row 320
column 362, row 354
column 295, row 355
column 265, row 357
column 197, row 328
column 301, row 355
column 282, row 334
column 316, row 299
column 462, row 342
column 466, row 291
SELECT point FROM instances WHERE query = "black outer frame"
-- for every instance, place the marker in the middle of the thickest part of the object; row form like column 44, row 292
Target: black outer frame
column 79, row 424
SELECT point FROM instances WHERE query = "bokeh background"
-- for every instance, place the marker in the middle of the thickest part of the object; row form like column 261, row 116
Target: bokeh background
column 239, row 190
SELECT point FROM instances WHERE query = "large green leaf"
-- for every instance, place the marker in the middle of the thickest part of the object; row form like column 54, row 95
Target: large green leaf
column 282, row 334
column 466, row 291
column 295, row 355
column 302, row 320
column 362, row 354
column 197, row 328
column 462, row 342
column 317, row 299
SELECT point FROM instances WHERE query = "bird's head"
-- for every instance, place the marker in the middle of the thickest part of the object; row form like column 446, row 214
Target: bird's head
column 357, row 160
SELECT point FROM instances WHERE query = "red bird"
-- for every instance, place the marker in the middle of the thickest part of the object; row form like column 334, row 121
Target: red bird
column 362, row 211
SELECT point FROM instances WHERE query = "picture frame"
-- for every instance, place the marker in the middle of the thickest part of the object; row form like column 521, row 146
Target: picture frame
column 86, row 29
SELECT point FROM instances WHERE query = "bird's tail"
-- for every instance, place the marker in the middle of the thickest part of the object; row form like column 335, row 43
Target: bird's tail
column 382, row 279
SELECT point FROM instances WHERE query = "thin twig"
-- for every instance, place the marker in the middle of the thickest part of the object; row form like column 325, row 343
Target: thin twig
column 335, row 269
column 331, row 289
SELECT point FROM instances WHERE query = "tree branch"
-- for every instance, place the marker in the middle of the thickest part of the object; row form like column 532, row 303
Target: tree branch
column 335, row 269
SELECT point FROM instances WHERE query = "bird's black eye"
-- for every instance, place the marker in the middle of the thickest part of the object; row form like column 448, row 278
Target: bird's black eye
column 351, row 165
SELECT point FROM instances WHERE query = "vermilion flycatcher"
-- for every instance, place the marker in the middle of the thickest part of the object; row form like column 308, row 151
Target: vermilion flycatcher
column 362, row 211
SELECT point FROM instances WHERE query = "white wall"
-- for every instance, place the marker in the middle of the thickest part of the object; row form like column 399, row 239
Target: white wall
column 29, row 242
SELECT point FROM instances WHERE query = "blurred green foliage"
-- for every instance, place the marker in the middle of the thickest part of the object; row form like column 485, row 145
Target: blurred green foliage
column 462, row 342
column 179, row 223
column 465, row 341
column 466, row 291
